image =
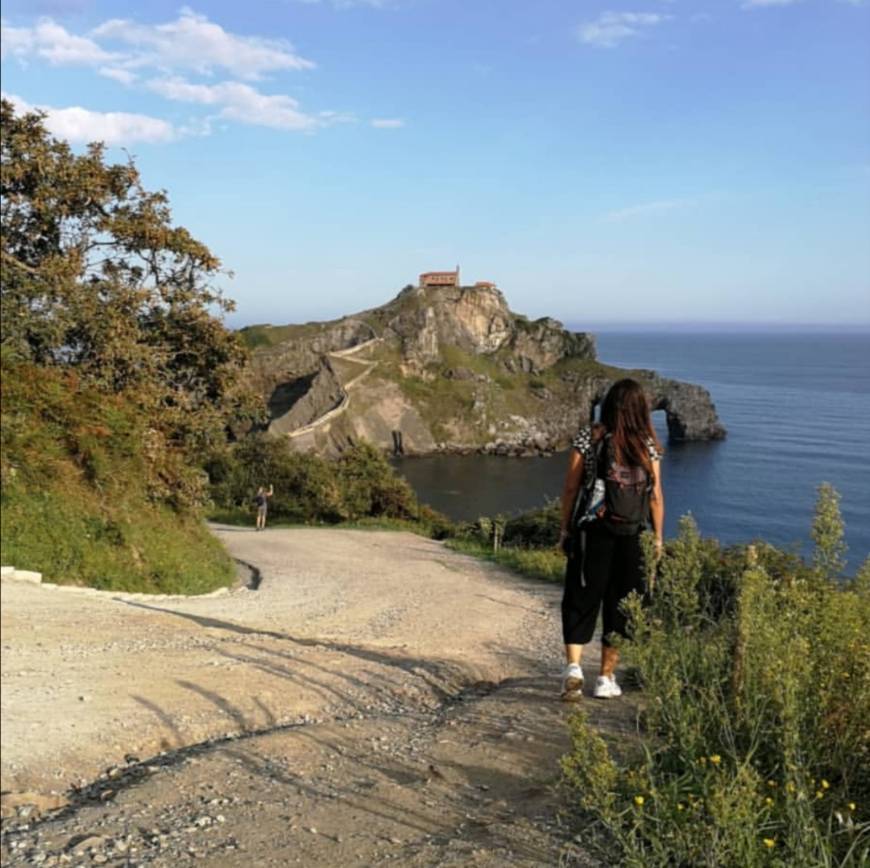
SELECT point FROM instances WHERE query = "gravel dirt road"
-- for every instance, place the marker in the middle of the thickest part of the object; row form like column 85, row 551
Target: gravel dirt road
column 377, row 697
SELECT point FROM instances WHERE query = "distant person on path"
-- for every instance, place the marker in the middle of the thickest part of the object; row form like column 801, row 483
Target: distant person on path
column 262, row 503
column 613, row 491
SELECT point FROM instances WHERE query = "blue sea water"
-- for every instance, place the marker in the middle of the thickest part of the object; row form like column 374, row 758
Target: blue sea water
column 797, row 410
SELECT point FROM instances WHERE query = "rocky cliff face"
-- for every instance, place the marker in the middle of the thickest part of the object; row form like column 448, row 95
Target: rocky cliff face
column 452, row 369
column 477, row 321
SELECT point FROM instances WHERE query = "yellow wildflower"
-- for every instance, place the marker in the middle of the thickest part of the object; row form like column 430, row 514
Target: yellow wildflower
column 820, row 794
column 715, row 759
column 638, row 800
column 851, row 806
column 769, row 842
column 790, row 787
column 772, row 784
column 679, row 806
column 768, row 801
column 825, row 784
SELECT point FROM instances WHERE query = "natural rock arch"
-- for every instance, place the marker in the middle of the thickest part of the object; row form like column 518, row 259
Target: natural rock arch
column 689, row 409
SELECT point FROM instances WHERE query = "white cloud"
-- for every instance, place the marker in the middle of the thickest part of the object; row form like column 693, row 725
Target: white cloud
column 328, row 118
column 349, row 4
column 755, row 4
column 192, row 42
column 52, row 42
column 241, row 102
column 611, row 28
column 647, row 208
column 15, row 41
column 176, row 60
column 80, row 125
column 123, row 76
column 387, row 123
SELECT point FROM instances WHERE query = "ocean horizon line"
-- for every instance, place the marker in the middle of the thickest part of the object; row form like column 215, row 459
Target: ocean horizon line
column 727, row 328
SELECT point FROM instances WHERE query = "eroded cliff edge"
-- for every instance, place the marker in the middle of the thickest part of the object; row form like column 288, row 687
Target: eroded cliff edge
column 448, row 369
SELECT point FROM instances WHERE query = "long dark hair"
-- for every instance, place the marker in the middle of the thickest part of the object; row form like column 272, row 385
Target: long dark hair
column 625, row 415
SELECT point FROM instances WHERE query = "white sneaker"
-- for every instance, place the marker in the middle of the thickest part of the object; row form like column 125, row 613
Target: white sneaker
column 572, row 683
column 606, row 688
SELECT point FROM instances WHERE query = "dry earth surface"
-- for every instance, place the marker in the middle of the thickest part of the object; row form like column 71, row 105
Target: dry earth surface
column 376, row 698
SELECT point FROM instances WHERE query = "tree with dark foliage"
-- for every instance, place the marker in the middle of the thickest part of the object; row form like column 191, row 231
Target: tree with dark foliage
column 97, row 280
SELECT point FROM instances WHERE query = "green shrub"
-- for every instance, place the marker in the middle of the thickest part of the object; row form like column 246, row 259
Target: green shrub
column 370, row 487
column 305, row 486
column 755, row 749
column 85, row 501
column 537, row 528
column 309, row 489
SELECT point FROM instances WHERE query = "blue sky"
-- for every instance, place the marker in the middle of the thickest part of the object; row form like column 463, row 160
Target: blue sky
column 603, row 162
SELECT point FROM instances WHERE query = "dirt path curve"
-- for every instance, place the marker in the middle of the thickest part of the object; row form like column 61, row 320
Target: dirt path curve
column 378, row 697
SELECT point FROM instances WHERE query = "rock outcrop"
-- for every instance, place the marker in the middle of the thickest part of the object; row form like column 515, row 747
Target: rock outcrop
column 478, row 321
column 689, row 408
column 449, row 369
column 297, row 404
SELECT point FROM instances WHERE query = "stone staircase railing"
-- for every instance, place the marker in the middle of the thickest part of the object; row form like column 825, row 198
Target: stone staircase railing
column 329, row 415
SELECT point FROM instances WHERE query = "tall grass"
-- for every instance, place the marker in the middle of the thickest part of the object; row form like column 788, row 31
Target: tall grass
column 545, row 564
column 755, row 717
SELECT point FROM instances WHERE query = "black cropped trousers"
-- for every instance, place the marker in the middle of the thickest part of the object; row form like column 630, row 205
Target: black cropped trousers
column 602, row 571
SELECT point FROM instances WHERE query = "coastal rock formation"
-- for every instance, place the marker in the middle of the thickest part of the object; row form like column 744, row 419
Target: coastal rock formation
column 474, row 320
column 448, row 368
column 284, row 355
column 691, row 414
column 297, row 404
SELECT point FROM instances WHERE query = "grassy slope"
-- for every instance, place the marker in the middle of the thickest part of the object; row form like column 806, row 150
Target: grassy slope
column 74, row 499
column 545, row 564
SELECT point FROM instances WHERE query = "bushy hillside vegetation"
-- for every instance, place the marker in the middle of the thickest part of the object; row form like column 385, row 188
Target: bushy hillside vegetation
column 118, row 374
column 93, row 495
column 308, row 489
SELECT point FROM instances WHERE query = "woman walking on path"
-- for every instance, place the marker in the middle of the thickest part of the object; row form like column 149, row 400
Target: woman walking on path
column 612, row 491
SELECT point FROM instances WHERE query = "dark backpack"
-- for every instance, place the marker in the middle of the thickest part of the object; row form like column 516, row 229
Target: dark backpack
column 627, row 493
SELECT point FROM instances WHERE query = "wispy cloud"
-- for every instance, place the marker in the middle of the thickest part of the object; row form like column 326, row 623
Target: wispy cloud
column 189, row 43
column 612, row 28
column 646, row 209
column 179, row 61
column 757, row 4
column 50, row 41
column 192, row 42
column 350, row 4
column 237, row 101
column 122, row 76
column 387, row 123
column 80, row 125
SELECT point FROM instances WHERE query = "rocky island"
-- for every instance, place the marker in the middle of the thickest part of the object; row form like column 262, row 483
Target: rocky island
column 447, row 368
